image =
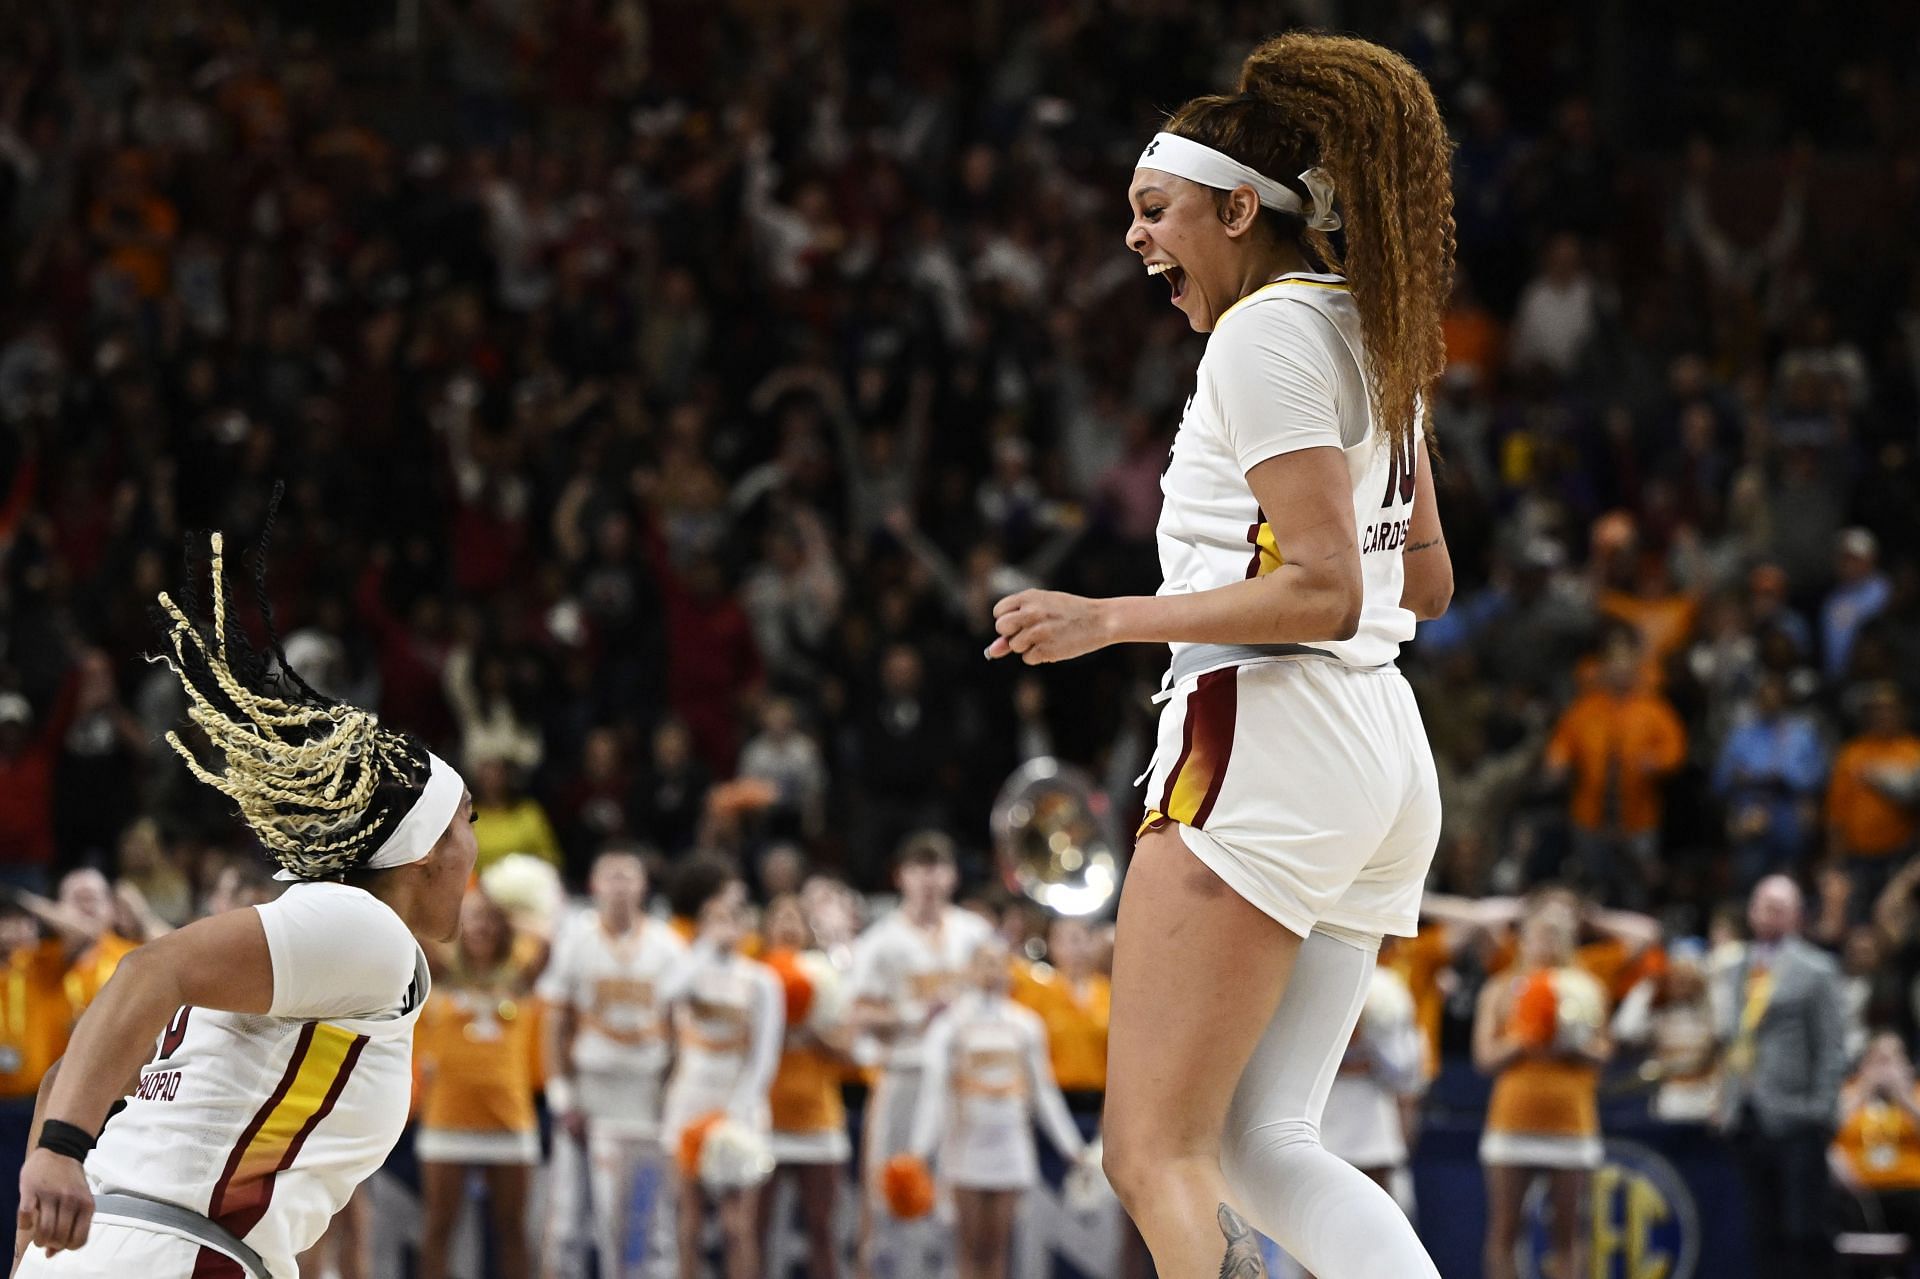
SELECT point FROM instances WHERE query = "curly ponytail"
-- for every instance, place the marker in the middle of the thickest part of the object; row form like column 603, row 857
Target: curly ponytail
column 1363, row 113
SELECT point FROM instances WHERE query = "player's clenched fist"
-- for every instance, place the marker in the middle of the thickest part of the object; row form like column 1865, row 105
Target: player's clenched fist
column 1049, row 626
column 56, row 1204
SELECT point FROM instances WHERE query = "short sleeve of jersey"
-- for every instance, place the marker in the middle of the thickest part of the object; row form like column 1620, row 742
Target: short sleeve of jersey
column 336, row 952
column 1271, row 374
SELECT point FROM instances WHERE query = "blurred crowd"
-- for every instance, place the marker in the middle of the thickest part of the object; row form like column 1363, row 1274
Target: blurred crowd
column 665, row 392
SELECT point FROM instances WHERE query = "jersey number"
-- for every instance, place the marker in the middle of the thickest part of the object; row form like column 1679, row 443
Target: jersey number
column 176, row 1031
column 1400, row 464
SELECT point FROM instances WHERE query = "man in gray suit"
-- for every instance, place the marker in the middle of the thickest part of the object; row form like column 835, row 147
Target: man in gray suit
column 1782, row 1033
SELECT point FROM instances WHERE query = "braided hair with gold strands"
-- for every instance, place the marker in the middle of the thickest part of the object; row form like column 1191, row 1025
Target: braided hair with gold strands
column 319, row 782
column 1368, row 117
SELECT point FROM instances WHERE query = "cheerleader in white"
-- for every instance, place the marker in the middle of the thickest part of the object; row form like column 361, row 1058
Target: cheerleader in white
column 607, row 1048
column 906, row 968
column 1292, row 803
column 276, row 1039
column 987, row 1078
column 729, row 1019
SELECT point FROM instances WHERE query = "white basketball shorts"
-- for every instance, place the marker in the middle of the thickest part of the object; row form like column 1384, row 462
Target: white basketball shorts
column 1307, row 785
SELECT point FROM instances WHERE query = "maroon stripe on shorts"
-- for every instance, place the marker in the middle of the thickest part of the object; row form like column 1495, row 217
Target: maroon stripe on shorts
column 216, row 1265
column 1218, row 695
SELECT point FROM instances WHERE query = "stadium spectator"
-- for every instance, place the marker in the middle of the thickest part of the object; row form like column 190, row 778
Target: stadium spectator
column 785, row 755
column 1559, row 314
column 508, row 820
column 671, row 793
column 29, row 755
column 1782, row 1028
column 486, row 705
column 1871, row 817
column 1616, row 744
column 1876, row 1155
column 1860, row 593
column 96, row 792
column 1768, row 778
column 592, row 809
column 52, row 978
column 1670, row 1017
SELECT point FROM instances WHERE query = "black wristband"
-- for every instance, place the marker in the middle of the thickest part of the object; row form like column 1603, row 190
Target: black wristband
column 63, row 1138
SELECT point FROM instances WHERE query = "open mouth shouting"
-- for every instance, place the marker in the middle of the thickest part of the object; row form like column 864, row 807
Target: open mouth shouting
column 1176, row 278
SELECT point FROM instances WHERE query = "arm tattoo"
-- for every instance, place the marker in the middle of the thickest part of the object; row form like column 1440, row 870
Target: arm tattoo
column 1420, row 546
column 1243, row 1248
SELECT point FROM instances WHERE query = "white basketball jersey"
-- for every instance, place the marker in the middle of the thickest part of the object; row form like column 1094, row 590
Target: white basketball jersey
column 617, row 987
column 266, row 1123
column 1284, row 370
column 916, row 972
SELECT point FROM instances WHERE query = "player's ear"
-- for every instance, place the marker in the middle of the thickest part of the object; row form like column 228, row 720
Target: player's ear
column 1239, row 210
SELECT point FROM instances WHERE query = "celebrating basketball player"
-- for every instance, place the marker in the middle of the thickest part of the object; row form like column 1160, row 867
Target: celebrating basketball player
column 1293, row 807
column 277, row 1039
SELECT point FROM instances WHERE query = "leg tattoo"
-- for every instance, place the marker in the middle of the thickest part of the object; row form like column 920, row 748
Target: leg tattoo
column 1243, row 1248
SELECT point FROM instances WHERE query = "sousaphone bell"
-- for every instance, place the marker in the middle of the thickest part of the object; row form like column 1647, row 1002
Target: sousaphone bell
column 1054, row 837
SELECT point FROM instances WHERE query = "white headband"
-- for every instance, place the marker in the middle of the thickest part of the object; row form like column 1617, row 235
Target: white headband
column 1197, row 162
column 416, row 833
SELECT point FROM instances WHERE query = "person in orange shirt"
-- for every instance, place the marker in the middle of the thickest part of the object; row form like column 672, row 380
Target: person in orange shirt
column 1541, row 1030
column 1871, row 816
column 1876, row 1156
column 49, row 983
column 1072, row 998
column 475, row 1048
column 1655, row 606
column 1450, row 926
column 809, row 1139
column 1470, row 331
column 135, row 225
column 1617, row 744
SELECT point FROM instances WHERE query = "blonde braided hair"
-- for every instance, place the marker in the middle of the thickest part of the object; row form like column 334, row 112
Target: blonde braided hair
column 319, row 782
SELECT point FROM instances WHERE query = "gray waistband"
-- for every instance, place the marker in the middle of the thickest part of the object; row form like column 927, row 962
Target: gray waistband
column 160, row 1213
column 1195, row 658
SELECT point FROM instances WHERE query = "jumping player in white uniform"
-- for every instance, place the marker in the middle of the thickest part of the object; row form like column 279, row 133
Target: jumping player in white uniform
column 730, row 1021
column 906, row 968
column 277, row 1039
column 1293, row 808
column 987, row 1076
column 608, row 1047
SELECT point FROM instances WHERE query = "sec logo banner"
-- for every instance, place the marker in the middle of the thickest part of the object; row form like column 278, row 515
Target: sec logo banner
column 1641, row 1220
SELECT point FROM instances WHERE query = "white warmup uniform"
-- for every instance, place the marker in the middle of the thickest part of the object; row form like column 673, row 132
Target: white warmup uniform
column 1384, row 1063
column 915, row 972
column 986, row 1077
column 1300, row 773
column 264, row 1124
column 730, row 1021
column 617, row 989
